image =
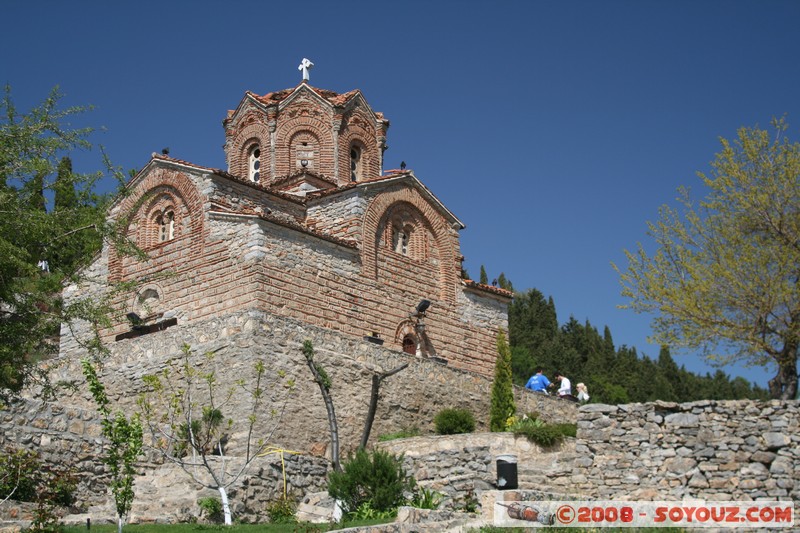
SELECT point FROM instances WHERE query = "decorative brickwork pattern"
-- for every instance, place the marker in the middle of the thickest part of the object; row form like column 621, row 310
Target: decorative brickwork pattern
column 444, row 240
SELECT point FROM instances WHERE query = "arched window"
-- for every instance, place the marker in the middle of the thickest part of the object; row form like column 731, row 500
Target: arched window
column 306, row 150
column 355, row 163
column 400, row 239
column 410, row 345
column 254, row 163
column 166, row 226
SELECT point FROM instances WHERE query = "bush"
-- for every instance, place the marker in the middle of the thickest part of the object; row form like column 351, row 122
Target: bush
column 24, row 478
column 402, row 434
column 211, row 507
column 377, row 478
column 282, row 511
column 541, row 433
column 454, row 421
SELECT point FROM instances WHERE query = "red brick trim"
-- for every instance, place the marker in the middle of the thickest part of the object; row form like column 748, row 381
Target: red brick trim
column 134, row 210
column 445, row 242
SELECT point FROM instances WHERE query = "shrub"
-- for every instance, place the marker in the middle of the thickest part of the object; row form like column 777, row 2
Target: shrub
column 18, row 469
column 454, row 421
column 24, row 478
column 377, row 478
column 541, row 433
column 211, row 507
column 282, row 511
column 402, row 434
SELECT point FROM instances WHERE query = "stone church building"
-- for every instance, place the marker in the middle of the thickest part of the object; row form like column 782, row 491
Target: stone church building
column 306, row 224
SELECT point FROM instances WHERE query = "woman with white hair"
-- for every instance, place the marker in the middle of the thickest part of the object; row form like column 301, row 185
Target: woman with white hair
column 583, row 392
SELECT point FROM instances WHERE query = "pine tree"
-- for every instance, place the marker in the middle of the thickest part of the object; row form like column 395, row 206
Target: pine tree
column 503, row 406
column 484, row 278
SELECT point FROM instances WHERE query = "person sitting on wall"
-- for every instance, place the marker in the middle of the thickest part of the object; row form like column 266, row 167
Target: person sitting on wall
column 583, row 392
column 538, row 381
column 564, row 386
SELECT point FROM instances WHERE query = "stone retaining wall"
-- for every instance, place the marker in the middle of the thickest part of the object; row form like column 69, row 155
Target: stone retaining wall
column 410, row 398
column 70, row 438
column 462, row 467
column 712, row 450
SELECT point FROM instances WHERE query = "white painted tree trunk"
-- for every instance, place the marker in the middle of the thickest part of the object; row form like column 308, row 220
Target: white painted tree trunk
column 119, row 524
column 226, row 509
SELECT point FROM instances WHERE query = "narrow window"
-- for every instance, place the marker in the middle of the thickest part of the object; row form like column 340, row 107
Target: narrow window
column 255, row 164
column 166, row 227
column 400, row 243
column 410, row 345
column 305, row 155
column 355, row 163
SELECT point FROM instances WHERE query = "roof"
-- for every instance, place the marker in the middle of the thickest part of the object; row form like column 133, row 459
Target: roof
column 487, row 288
column 334, row 98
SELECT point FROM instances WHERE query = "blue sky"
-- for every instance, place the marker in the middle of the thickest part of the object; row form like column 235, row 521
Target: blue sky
column 554, row 130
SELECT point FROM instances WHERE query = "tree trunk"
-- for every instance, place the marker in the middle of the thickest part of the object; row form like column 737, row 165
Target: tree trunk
column 226, row 508
column 326, row 397
column 373, row 402
column 119, row 524
column 784, row 385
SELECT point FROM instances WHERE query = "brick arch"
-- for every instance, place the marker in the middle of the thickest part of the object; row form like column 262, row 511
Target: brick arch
column 405, row 329
column 287, row 131
column 135, row 206
column 373, row 217
column 364, row 135
column 237, row 151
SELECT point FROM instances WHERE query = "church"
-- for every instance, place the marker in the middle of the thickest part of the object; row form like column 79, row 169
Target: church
column 305, row 224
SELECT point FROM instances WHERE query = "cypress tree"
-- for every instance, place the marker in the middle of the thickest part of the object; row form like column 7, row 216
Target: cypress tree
column 484, row 278
column 65, row 197
column 503, row 406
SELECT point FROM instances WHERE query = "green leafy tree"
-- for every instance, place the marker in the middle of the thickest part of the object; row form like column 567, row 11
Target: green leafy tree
column 725, row 275
column 484, row 278
column 503, row 406
column 190, row 418
column 125, row 437
column 41, row 250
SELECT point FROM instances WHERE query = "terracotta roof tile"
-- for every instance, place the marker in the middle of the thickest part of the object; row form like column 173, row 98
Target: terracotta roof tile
column 331, row 96
column 487, row 288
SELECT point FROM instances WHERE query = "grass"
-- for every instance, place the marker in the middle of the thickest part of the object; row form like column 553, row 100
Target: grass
column 302, row 527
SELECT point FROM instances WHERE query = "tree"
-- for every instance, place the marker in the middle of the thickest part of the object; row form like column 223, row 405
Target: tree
column 324, row 382
column 725, row 276
column 124, row 444
column 484, row 279
column 185, row 411
column 503, row 406
column 40, row 250
column 504, row 282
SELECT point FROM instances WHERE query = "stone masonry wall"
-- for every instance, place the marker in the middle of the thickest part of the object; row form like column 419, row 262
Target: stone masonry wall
column 713, row 450
column 222, row 263
column 410, row 398
column 70, row 438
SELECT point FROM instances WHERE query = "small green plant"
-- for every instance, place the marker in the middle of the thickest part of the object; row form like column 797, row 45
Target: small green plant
column 426, row 499
column 282, row 511
column 375, row 477
column 212, row 508
column 538, row 432
column 366, row 512
column 402, row 434
column 454, row 421
column 469, row 503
